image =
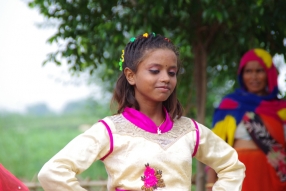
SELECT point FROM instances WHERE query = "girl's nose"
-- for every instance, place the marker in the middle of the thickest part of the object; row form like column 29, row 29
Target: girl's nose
column 165, row 77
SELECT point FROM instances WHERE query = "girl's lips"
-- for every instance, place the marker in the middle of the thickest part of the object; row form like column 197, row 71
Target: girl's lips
column 164, row 87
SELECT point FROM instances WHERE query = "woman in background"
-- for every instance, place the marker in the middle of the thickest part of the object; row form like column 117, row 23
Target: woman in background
column 253, row 120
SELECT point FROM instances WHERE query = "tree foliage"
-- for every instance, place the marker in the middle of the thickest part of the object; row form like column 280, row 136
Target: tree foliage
column 212, row 35
column 87, row 106
column 39, row 109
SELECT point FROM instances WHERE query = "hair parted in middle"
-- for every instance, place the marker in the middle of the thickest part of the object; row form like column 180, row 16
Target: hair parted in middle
column 133, row 55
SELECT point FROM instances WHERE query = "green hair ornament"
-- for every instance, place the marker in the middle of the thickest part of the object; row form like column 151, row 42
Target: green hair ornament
column 132, row 39
column 121, row 61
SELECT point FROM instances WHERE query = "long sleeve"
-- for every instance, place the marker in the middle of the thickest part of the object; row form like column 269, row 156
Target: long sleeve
column 59, row 173
column 221, row 157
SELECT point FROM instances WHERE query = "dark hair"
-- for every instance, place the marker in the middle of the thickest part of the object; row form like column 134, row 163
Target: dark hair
column 134, row 54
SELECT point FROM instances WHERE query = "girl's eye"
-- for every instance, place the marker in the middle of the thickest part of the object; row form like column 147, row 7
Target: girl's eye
column 154, row 71
column 172, row 73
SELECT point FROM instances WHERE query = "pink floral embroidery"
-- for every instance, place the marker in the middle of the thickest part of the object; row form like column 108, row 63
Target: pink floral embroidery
column 152, row 179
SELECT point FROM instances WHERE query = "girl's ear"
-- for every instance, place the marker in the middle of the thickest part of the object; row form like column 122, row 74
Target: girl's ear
column 130, row 76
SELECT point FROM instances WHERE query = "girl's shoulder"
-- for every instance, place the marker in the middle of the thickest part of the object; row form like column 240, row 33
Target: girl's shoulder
column 186, row 122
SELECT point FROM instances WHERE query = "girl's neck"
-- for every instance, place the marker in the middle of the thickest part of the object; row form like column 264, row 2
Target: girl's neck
column 155, row 113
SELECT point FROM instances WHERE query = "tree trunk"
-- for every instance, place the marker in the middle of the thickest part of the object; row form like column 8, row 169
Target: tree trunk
column 200, row 79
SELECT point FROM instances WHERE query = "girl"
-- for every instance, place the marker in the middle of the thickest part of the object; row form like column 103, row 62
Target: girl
column 147, row 145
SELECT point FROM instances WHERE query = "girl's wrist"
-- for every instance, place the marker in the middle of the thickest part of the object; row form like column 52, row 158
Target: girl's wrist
column 209, row 185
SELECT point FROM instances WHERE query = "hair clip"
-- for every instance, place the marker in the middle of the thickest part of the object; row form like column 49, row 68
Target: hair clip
column 121, row 61
column 167, row 39
column 145, row 35
column 153, row 34
column 132, row 39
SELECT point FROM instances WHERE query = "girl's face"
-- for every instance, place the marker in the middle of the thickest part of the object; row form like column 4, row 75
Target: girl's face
column 155, row 79
column 255, row 78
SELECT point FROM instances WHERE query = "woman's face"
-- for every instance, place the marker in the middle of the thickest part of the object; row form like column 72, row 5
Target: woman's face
column 255, row 78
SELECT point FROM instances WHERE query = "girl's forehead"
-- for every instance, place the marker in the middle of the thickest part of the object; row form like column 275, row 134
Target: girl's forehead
column 161, row 57
column 157, row 51
column 160, row 54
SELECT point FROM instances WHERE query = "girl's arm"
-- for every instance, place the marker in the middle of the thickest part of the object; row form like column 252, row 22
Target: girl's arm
column 218, row 155
column 211, row 178
column 59, row 173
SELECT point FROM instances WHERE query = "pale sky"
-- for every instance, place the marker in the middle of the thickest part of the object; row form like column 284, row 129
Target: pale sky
column 23, row 47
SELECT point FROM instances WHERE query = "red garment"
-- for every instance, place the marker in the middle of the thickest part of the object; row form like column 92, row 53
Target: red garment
column 8, row 182
column 260, row 175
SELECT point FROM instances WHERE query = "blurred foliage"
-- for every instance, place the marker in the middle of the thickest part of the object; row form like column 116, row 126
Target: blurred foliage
column 87, row 106
column 39, row 109
column 91, row 33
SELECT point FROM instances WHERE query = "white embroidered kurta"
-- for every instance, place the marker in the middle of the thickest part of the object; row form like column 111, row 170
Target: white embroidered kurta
column 169, row 152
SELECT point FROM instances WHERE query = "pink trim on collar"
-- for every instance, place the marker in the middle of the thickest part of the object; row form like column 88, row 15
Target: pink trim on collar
column 144, row 122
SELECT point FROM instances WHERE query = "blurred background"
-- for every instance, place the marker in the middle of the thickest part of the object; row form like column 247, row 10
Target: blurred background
column 41, row 107
column 24, row 80
column 58, row 64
